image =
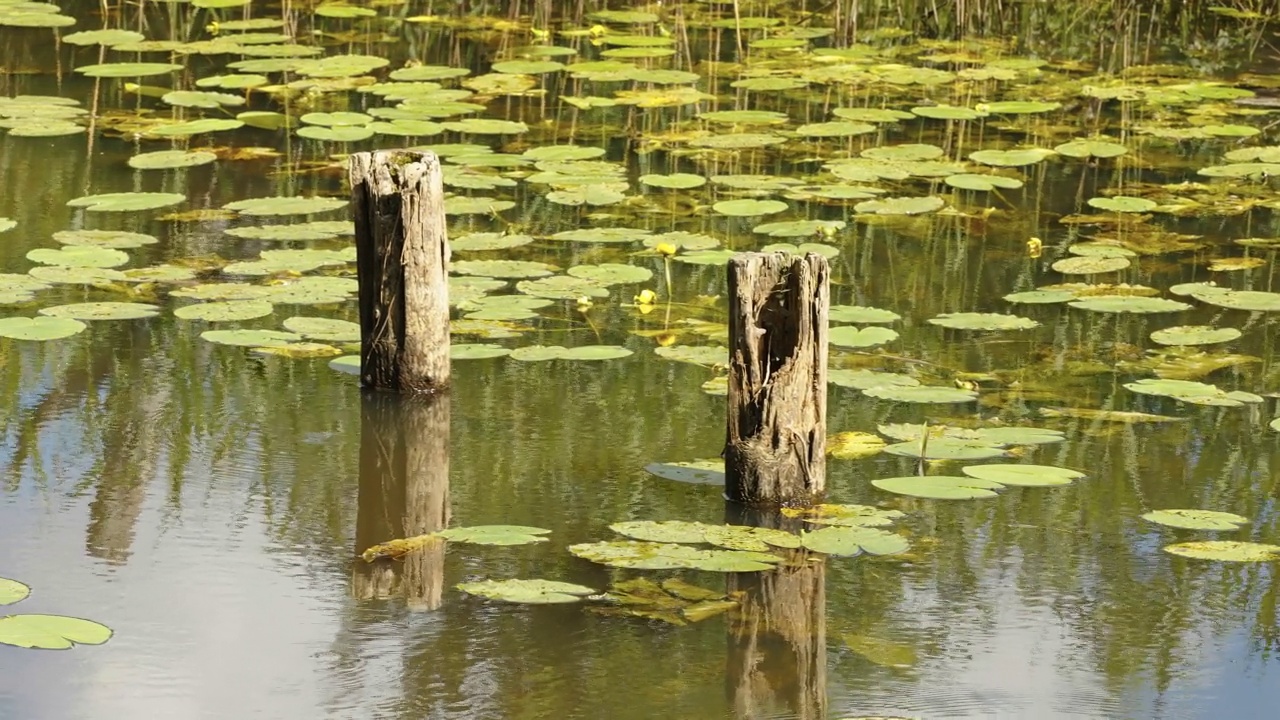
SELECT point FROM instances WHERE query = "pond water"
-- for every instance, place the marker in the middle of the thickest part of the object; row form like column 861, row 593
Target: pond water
column 209, row 503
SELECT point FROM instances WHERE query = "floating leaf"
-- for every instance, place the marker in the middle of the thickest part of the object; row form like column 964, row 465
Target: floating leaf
column 849, row 336
column 1194, row 335
column 983, row 183
column 1089, row 265
column 102, row 311
column 853, row 540
column 845, row 515
column 1010, row 158
column 1128, row 304
column 666, row 531
column 324, row 329
column 502, row 268
column 1091, row 148
column 1192, row 392
column 863, row 379
column 946, row 448
column 983, row 321
column 285, row 205
column 171, row 159
column 527, row 592
column 1122, row 204
column 883, row 653
column 51, row 632
column 1023, row 475
column 224, row 311
column 901, row 205
column 79, row 256
column 39, row 328
column 126, row 201
column 696, row 472
column 1226, row 551
column 749, row 207
column 250, row 338
column 495, row 535
column 12, row 591
column 939, row 487
column 668, row 556
column 1196, row 519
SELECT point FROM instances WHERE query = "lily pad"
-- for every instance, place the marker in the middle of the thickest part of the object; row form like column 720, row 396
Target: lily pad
column 849, row 336
column 527, row 592
column 227, row 311
column 103, row 311
column 921, row 394
column 1023, row 475
column 983, row 321
column 126, row 201
column 12, row 591
column 1194, row 335
column 1128, row 304
column 1122, row 204
column 79, row 256
column 946, row 448
column 670, row 556
column 749, row 207
column 940, row 487
column 861, row 314
column 1226, row 551
column 285, row 205
column 845, row 515
column 51, row 632
column 477, row 351
column 854, row 445
column 696, row 472
column 853, row 540
column 665, row 531
column 901, row 205
column 250, row 338
column 495, row 535
column 1090, row 264
column 171, row 159
column 324, row 329
column 39, row 328
column 1196, row 519
column 1192, row 392
column 114, row 239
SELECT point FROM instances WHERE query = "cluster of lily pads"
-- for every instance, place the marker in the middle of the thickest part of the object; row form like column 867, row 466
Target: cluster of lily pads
column 44, row 632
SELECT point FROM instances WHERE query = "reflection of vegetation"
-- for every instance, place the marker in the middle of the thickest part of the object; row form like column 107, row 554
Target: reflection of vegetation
column 136, row 414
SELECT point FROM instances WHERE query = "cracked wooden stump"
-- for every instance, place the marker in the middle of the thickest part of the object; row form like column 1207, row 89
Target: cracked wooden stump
column 402, row 264
column 775, row 449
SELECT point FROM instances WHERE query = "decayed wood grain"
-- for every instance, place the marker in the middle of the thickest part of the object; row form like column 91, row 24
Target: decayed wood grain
column 402, row 263
column 775, row 452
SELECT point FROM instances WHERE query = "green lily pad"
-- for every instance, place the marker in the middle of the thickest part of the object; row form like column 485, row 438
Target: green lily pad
column 6, row 224
column 1196, row 519
column 481, row 241
column 853, row 540
column 861, row 314
column 51, row 632
column 1010, row 158
column 122, row 70
column 486, row 126
column 1194, row 335
column 105, row 37
column 863, row 379
column 1226, row 551
column 103, row 311
column 800, row 228
column 983, row 321
column 495, row 535
column 982, row 183
column 502, row 268
column 745, row 117
column 63, row 275
column 595, row 352
column 602, row 235
column 39, row 328
column 745, row 537
column 921, row 394
column 845, row 515
column 1128, row 304
column 1040, row 297
column 324, row 329
column 126, row 201
column 171, row 159
column 477, row 351
column 226, row 311
column 1091, row 148
column 12, row 591
column 562, row 287
column 79, row 256
column 748, row 207
column 1089, row 265
column 527, row 592
column 940, row 487
column 475, row 205
column 349, row 364
column 696, row 472
column 705, row 257
column 562, row 153
column 674, row 181
column 946, row 448
column 285, row 205
column 1192, row 392
column 837, row 128
column 1122, row 204
column 250, row 338
column 665, row 531
column 196, row 127
column 1023, row 475
column 946, row 112
column 114, row 239
column 826, row 251
column 590, row 194
column 849, row 336
column 901, row 205
column 1019, row 107
column 670, row 556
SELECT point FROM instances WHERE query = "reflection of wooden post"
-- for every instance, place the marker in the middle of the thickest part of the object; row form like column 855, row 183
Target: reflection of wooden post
column 402, row 263
column 775, row 452
column 777, row 661
column 404, row 491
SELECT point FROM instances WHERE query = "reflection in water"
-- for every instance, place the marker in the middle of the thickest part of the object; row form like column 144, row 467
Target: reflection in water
column 777, row 660
column 404, row 491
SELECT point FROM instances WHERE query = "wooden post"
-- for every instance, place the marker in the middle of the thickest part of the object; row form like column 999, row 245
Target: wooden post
column 404, row 491
column 402, row 263
column 775, row 450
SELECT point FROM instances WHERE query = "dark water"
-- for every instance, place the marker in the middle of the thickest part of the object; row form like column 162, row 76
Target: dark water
column 207, row 504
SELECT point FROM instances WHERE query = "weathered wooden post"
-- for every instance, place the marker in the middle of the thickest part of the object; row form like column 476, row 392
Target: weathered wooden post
column 402, row 264
column 775, row 449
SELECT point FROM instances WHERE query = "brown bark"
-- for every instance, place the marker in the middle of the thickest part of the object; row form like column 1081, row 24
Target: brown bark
column 402, row 263
column 775, row 452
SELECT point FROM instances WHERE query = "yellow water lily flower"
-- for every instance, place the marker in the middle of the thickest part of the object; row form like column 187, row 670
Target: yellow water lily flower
column 584, row 302
column 666, row 249
column 1034, row 246
column 646, row 297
